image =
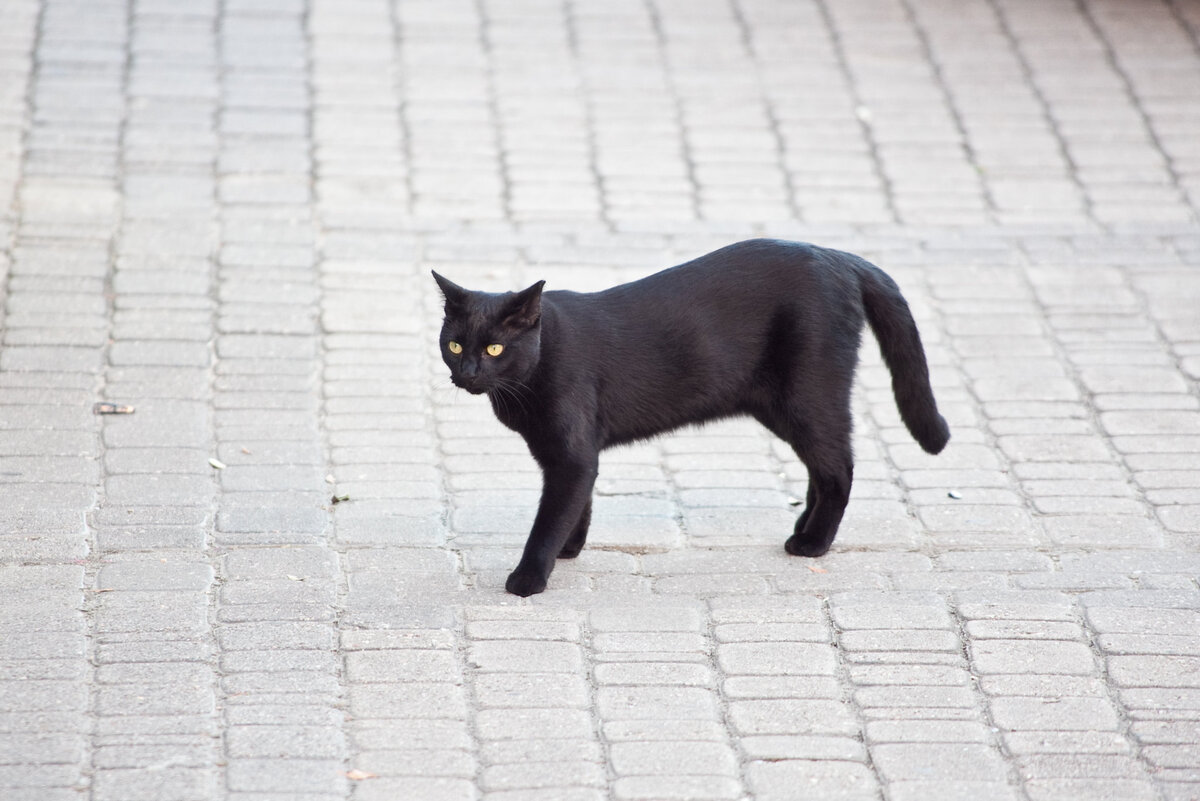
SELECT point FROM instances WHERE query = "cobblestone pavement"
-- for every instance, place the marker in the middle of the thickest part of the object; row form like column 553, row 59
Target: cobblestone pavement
column 224, row 213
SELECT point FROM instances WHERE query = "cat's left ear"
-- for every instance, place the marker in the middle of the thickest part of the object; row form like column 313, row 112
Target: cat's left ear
column 454, row 294
column 524, row 310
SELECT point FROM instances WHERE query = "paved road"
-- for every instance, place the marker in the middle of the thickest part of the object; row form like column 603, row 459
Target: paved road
column 223, row 214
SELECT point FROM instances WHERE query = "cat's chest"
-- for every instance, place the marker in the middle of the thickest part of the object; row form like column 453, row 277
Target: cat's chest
column 548, row 418
column 513, row 412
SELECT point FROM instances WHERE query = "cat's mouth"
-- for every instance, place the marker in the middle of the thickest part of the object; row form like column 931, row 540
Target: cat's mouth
column 472, row 387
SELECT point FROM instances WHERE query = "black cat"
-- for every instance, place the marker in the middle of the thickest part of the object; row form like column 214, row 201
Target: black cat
column 763, row 328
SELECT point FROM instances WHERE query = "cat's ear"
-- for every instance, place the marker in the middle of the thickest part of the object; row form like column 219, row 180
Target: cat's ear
column 455, row 295
column 525, row 308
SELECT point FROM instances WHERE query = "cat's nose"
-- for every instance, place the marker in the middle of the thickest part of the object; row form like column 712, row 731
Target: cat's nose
column 471, row 384
column 468, row 377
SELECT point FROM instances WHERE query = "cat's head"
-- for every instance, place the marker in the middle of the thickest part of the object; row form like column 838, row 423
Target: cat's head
column 490, row 340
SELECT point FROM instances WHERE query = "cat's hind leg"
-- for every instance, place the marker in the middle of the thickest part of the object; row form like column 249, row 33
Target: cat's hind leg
column 579, row 534
column 810, row 500
column 828, row 494
column 818, row 429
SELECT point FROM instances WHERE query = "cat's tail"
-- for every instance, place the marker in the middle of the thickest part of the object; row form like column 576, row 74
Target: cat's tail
column 900, row 343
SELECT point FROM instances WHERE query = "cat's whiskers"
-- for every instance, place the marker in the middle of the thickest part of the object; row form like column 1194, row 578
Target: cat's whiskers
column 497, row 398
column 447, row 386
column 499, row 395
column 510, row 389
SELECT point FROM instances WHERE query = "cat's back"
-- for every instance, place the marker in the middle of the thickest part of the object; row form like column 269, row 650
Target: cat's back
column 747, row 276
column 742, row 268
column 728, row 300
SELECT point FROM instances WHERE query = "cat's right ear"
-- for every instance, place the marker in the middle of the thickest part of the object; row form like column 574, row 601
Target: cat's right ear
column 455, row 295
column 525, row 308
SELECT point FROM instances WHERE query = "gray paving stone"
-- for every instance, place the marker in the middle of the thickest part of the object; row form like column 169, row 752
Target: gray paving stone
column 776, row 658
column 125, row 700
column 1095, row 788
column 545, row 775
column 981, row 790
column 646, row 641
column 529, row 690
column 900, row 640
column 667, row 673
column 792, row 717
column 496, row 724
column 114, row 648
column 35, row 645
column 44, row 748
column 1157, row 670
column 927, row 731
column 1069, row 742
column 149, row 537
column 1020, row 606
column 812, row 747
column 1022, row 629
column 652, row 702
column 1026, row 656
column 929, row 697
column 765, row 632
column 286, row 775
column 901, row 674
column 135, row 783
column 290, row 524
column 152, row 611
column 803, row 779
column 1144, row 644
column 566, row 631
column 435, row 788
column 664, row 617
column 524, row 656
column 198, row 754
column 412, row 700
column 414, row 638
column 401, row 665
column 154, row 575
column 149, row 353
column 759, row 687
column 871, row 616
column 941, row 762
column 420, row 761
column 156, row 460
column 306, row 562
column 1053, row 714
column 278, row 591
column 303, row 742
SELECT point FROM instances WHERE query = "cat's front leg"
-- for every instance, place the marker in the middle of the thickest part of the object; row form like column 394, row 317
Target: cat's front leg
column 578, row 537
column 566, row 494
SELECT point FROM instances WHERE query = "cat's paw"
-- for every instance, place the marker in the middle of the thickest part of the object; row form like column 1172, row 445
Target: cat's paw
column 525, row 583
column 802, row 547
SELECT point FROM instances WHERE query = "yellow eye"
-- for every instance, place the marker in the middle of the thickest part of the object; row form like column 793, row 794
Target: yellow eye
column 454, row 347
column 495, row 350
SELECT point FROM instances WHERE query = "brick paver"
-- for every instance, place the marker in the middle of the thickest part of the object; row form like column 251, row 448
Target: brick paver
column 224, row 214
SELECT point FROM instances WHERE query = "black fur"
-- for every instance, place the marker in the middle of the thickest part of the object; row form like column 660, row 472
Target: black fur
column 763, row 328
